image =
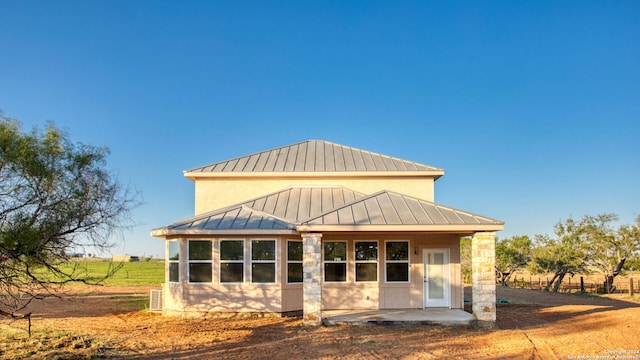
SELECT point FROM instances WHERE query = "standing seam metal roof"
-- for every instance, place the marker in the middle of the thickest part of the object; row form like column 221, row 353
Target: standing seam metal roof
column 313, row 156
column 390, row 208
column 308, row 206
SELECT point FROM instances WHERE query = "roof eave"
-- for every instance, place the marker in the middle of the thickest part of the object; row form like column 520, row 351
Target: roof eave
column 451, row 228
column 195, row 175
column 165, row 232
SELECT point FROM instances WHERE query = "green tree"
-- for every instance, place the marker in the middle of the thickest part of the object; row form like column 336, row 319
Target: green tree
column 55, row 197
column 465, row 259
column 512, row 254
column 566, row 254
column 609, row 248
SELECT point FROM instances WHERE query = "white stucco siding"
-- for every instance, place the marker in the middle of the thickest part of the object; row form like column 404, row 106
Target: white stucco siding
column 216, row 193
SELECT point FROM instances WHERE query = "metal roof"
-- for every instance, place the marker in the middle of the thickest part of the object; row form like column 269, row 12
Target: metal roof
column 299, row 203
column 237, row 217
column 390, row 208
column 308, row 208
column 315, row 156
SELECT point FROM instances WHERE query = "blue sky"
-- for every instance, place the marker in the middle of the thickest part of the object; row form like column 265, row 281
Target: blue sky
column 531, row 107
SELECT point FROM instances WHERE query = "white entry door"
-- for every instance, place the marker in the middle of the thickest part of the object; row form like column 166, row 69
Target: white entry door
column 436, row 278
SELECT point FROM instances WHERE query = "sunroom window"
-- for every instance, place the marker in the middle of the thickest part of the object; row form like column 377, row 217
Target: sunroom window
column 263, row 261
column 366, row 253
column 231, row 261
column 294, row 261
column 397, row 261
column 200, row 263
column 335, row 261
column 174, row 260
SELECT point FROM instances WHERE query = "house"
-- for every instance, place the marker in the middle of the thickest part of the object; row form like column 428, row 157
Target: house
column 315, row 226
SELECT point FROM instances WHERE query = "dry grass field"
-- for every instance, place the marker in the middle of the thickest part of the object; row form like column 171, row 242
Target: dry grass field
column 110, row 323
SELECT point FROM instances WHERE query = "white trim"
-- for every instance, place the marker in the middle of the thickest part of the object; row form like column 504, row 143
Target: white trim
column 287, row 262
column 345, row 262
column 407, row 262
column 446, row 301
column 461, row 229
column 401, row 174
column 356, row 261
column 221, row 261
column 189, row 261
column 169, row 261
column 274, row 261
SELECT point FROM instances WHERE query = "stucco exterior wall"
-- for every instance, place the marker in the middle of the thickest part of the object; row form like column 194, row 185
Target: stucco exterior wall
column 182, row 297
column 215, row 193
column 186, row 299
column 383, row 295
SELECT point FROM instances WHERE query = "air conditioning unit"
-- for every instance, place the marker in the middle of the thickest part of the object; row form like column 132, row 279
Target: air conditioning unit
column 155, row 300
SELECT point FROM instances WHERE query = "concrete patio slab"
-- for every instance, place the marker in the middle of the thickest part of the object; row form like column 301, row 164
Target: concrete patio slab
column 434, row 316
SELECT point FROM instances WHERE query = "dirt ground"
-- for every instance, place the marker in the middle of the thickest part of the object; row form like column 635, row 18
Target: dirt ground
column 108, row 323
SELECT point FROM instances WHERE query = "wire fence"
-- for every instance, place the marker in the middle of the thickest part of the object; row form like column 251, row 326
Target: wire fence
column 575, row 285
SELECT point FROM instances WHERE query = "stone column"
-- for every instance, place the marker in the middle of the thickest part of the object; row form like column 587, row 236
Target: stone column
column 312, row 279
column 483, row 278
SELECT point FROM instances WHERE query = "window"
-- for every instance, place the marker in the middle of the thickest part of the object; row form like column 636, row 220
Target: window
column 200, row 265
column 335, row 261
column 263, row 261
column 174, row 261
column 294, row 261
column 397, row 261
column 366, row 260
column 231, row 261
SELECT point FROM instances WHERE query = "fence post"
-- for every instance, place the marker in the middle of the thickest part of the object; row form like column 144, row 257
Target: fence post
column 569, row 285
column 631, row 287
column 581, row 284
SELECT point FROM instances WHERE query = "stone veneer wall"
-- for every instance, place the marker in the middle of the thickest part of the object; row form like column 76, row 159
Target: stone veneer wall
column 483, row 278
column 312, row 278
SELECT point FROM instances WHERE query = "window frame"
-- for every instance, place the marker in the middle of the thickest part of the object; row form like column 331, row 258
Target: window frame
column 221, row 261
column 344, row 261
column 407, row 262
column 171, row 261
column 199, row 261
column 291, row 262
column 356, row 261
column 274, row 261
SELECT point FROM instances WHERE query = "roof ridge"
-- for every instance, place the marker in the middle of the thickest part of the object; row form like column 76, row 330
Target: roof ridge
column 341, row 206
column 290, row 225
